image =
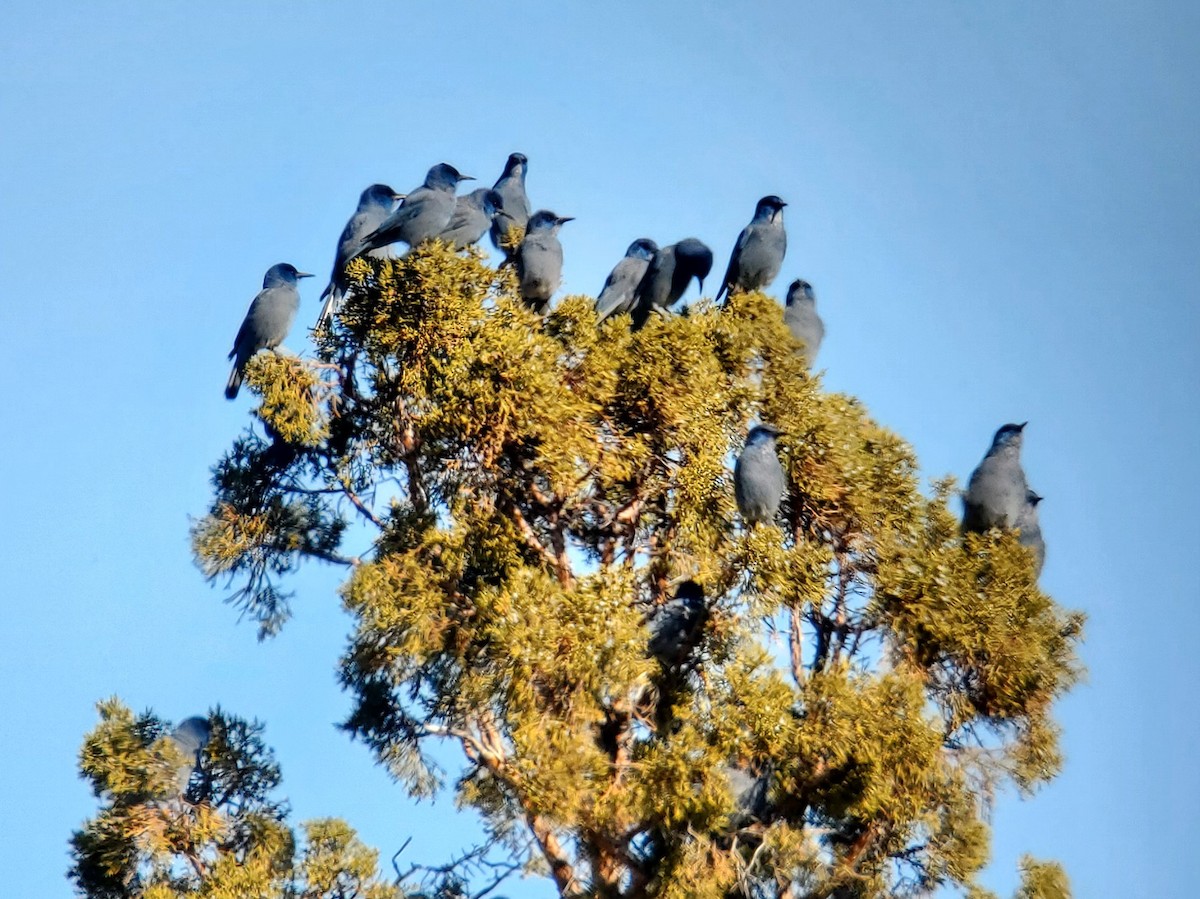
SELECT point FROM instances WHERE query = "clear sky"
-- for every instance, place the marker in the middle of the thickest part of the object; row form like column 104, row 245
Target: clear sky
column 996, row 202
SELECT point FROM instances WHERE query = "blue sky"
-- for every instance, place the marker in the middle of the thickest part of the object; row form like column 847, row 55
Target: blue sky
column 996, row 203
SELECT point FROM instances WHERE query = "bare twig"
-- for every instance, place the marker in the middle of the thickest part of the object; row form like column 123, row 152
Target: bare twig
column 335, row 558
column 360, row 505
column 796, row 647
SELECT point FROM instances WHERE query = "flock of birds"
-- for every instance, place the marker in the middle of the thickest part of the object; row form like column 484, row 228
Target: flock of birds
column 648, row 280
column 997, row 496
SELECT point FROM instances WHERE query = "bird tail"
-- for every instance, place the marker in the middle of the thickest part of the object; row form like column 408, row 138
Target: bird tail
column 235, row 382
column 333, row 300
column 724, row 291
column 604, row 311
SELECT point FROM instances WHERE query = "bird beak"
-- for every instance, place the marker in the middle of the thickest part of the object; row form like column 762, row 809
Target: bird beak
column 565, row 218
column 303, row 274
column 399, row 196
column 466, row 177
column 1021, row 427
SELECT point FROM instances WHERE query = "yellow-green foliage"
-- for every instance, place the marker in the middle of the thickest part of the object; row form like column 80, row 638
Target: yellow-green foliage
column 147, row 841
column 292, row 395
column 1042, row 880
column 539, row 487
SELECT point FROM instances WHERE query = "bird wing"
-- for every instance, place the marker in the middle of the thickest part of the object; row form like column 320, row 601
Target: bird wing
column 247, row 322
column 410, row 207
column 618, row 292
column 360, row 225
column 271, row 315
column 727, row 281
column 466, row 212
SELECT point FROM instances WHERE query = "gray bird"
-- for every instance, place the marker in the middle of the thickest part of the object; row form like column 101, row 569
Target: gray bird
column 802, row 319
column 668, row 275
column 473, row 215
column 996, row 492
column 1031, row 530
column 749, row 793
column 758, row 254
column 676, row 626
column 423, row 215
column 620, row 290
column 268, row 321
column 190, row 738
column 758, row 478
column 374, row 206
column 515, row 206
column 539, row 259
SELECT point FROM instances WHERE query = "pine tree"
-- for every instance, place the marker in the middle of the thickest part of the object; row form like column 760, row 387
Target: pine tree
column 864, row 680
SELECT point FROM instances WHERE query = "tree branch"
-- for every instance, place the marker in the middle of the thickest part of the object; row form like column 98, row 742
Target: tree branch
column 530, row 536
column 488, row 750
column 796, row 647
column 334, row 558
column 560, row 866
column 417, row 494
column 360, row 505
column 845, row 574
column 562, row 564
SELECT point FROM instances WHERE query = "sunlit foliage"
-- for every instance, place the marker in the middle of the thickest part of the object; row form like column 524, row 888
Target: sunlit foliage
column 512, row 496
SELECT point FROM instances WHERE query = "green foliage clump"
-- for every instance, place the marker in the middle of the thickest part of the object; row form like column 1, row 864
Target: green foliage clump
column 1042, row 880
column 538, row 488
column 226, row 838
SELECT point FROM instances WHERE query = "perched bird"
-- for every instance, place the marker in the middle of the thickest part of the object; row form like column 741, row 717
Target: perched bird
column 620, row 289
column 374, row 205
column 668, row 275
column 190, row 738
column 676, row 626
column 268, row 321
column 1031, row 530
column 515, row 206
column 996, row 492
column 802, row 319
column 758, row 479
column 473, row 215
column 750, row 794
column 540, row 258
column 758, row 254
column 424, row 214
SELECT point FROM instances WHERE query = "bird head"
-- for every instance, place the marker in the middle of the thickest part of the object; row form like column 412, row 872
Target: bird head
column 801, row 291
column 194, row 732
column 642, row 248
column 762, row 435
column 518, row 165
column 444, row 176
column 378, row 195
column 282, row 274
column 694, row 258
column 690, row 593
column 768, row 208
column 1009, row 435
column 545, row 220
column 492, row 203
